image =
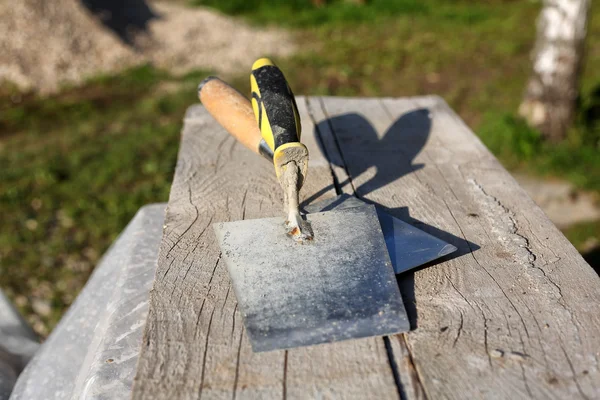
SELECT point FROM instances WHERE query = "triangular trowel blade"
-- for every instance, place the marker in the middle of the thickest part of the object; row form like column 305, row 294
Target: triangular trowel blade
column 408, row 246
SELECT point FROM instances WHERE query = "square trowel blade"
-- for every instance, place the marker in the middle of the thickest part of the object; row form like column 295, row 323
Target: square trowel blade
column 408, row 246
column 338, row 286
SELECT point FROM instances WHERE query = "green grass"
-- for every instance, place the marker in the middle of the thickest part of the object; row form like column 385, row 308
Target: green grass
column 585, row 237
column 521, row 148
column 76, row 168
column 304, row 13
column 475, row 55
column 78, row 165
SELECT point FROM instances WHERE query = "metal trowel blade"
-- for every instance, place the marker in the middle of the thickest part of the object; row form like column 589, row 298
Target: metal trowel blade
column 408, row 246
column 338, row 286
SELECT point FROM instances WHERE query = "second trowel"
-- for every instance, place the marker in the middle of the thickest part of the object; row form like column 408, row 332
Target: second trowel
column 409, row 247
column 300, row 280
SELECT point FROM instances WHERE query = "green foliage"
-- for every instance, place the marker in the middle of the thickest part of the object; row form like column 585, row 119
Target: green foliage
column 238, row 7
column 76, row 167
column 26, row 113
column 586, row 238
column 510, row 138
column 303, row 13
column 475, row 55
column 521, row 147
column 580, row 233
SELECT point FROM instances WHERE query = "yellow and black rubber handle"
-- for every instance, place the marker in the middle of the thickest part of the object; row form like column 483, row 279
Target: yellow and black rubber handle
column 233, row 111
column 277, row 115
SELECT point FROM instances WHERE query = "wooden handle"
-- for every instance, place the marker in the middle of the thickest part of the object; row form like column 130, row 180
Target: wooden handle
column 234, row 112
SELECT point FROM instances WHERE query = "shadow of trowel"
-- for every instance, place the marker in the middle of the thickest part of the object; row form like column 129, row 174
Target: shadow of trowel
column 411, row 243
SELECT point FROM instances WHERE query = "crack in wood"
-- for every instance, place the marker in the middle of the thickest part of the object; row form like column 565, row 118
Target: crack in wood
column 338, row 147
column 244, row 203
column 285, row 373
column 197, row 241
column 219, row 147
column 168, row 267
column 503, row 222
column 338, row 189
column 583, row 395
column 320, row 140
column 394, row 367
column 226, row 297
column 489, row 274
column 459, row 331
column 527, row 388
column 212, row 274
column 485, row 336
column 199, row 316
column 174, row 350
column 189, row 226
column 504, row 294
column 205, row 353
column 234, row 314
column 539, row 337
column 524, row 243
column 458, row 291
column 237, row 361
column 414, row 373
column 507, row 322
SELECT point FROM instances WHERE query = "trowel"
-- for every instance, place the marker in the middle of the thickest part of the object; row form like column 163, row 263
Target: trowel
column 299, row 279
column 409, row 247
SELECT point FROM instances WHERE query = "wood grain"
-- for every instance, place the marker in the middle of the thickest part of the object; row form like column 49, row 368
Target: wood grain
column 195, row 345
column 232, row 110
column 512, row 314
column 515, row 315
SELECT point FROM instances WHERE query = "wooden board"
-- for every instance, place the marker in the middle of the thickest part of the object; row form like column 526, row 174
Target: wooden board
column 195, row 346
column 512, row 314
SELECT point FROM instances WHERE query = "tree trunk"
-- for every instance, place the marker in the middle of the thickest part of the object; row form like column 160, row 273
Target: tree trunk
column 551, row 94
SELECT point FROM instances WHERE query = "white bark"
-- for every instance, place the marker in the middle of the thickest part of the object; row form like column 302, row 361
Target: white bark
column 549, row 102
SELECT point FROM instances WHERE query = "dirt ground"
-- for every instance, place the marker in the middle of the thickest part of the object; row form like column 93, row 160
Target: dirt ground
column 47, row 44
column 561, row 201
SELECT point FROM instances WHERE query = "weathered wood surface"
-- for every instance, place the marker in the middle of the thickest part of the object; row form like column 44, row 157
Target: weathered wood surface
column 513, row 314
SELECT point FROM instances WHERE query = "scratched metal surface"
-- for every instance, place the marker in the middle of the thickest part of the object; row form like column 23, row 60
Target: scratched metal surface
column 339, row 286
column 409, row 247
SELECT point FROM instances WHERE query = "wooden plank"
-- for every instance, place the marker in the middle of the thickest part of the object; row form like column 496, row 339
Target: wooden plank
column 195, row 345
column 514, row 313
column 402, row 363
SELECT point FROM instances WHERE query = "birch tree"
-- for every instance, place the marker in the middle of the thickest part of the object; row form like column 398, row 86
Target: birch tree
column 551, row 94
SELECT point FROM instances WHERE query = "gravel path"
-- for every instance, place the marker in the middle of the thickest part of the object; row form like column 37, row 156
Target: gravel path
column 563, row 203
column 44, row 44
